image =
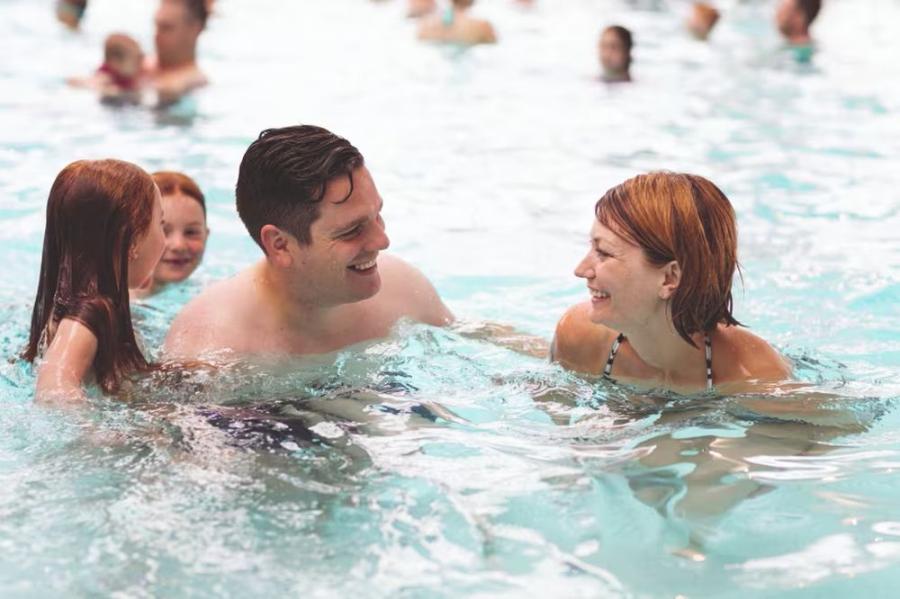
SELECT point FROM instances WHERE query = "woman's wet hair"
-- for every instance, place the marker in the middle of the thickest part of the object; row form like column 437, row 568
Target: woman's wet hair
column 173, row 182
column 687, row 219
column 96, row 212
column 284, row 175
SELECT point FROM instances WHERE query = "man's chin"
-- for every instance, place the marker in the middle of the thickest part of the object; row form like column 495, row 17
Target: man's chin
column 365, row 286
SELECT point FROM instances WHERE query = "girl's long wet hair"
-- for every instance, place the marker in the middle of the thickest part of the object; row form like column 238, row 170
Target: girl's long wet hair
column 96, row 212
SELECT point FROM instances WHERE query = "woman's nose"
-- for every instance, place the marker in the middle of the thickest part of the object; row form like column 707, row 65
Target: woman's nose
column 585, row 268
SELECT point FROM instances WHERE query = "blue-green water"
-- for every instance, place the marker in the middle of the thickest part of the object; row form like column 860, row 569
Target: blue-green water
column 429, row 463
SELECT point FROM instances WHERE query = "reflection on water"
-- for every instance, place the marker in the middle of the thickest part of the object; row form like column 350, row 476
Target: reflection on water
column 433, row 463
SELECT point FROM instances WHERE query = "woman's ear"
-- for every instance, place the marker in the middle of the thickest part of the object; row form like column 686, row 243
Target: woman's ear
column 277, row 245
column 671, row 280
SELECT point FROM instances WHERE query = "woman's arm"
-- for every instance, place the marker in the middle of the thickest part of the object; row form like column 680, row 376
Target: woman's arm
column 66, row 363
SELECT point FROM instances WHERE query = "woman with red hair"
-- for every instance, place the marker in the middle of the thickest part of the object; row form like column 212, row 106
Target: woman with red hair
column 660, row 269
column 103, row 235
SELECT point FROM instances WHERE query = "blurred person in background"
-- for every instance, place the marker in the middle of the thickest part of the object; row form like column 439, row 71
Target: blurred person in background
column 794, row 18
column 70, row 12
column 702, row 19
column 119, row 77
column 614, row 50
column 420, row 8
column 174, row 72
column 455, row 26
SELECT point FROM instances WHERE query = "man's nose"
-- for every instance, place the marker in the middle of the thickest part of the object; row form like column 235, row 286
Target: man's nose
column 379, row 240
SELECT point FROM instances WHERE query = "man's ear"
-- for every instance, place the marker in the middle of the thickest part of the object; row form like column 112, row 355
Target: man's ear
column 277, row 245
column 671, row 280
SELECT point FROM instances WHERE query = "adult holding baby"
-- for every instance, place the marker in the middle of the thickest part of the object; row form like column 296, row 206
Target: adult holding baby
column 174, row 71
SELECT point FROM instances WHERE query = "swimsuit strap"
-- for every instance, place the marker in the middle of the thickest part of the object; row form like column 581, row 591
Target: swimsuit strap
column 612, row 355
column 707, row 342
column 447, row 17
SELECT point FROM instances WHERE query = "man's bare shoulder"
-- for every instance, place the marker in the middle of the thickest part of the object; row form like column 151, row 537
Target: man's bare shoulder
column 743, row 355
column 410, row 293
column 213, row 320
column 580, row 344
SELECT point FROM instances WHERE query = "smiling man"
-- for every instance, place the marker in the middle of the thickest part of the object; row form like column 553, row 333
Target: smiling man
column 308, row 200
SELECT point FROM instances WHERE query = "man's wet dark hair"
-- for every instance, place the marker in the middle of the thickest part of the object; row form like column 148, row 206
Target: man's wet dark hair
column 197, row 9
column 810, row 9
column 284, row 174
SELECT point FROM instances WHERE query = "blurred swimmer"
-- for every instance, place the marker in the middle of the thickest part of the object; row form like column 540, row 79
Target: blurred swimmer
column 103, row 235
column 614, row 51
column 184, row 225
column 70, row 12
column 702, row 20
column 174, row 71
column 455, row 26
column 308, row 200
column 420, row 8
column 794, row 18
column 120, row 74
column 662, row 258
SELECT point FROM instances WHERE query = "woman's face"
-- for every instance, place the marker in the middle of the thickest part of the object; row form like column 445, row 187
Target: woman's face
column 186, row 233
column 625, row 288
column 147, row 251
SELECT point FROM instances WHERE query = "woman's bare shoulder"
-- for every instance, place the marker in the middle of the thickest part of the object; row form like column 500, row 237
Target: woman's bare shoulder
column 745, row 356
column 580, row 344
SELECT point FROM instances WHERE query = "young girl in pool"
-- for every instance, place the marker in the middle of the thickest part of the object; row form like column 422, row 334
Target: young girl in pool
column 103, row 235
column 185, row 228
column 660, row 268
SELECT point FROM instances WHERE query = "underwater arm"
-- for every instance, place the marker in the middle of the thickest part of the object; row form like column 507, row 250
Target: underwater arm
column 66, row 363
column 505, row 336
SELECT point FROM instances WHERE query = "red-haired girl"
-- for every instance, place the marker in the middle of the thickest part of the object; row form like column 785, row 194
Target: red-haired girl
column 103, row 235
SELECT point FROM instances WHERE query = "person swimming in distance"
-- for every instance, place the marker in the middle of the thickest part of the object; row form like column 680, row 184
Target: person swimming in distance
column 614, row 52
column 185, row 228
column 702, row 19
column 794, row 18
column 103, row 235
column 420, row 8
column 455, row 26
column 662, row 257
column 308, row 200
column 173, row 71
column 70, row 12
column 119, row 77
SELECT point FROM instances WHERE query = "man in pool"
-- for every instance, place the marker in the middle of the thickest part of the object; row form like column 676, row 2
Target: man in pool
column 308, row 200
column 174, row 72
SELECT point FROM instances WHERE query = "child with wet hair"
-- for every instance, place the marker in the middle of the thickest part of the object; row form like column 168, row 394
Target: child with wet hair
column 119, row 77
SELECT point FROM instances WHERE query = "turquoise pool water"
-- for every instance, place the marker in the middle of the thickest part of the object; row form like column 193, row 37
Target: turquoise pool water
column 429, row 464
